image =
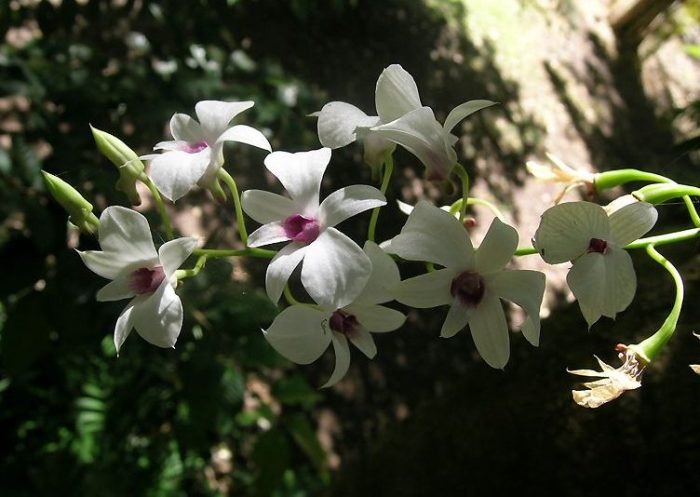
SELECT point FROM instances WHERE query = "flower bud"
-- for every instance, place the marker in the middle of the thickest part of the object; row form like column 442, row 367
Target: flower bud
column 79, row 210
column 130, row 167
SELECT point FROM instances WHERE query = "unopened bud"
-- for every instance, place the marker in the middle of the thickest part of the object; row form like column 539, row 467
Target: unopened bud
column 79, row 210
column 130, row 167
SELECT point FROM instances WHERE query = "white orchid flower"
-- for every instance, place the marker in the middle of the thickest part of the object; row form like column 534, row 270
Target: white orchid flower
column 335, row 269
column 196, row 153
column 129, row 258
column 302, row 333
column 602, row 277
column 472, row 282
column 401, row 119
column 560, row 172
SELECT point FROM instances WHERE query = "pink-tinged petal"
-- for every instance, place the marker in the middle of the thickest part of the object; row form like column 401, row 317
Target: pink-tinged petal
column 566, row 230
column 526, row 289
column 268, row 234
column 184, row 128
column 173, row 253
column 246, row 134
column 337, row 122
column 632, row 222
column 364, row 341
column 421, row 134
column 266, row 207
column 427, row 290
column 124, row 325
column 342, row 358
column 396, row 93
column 158, row 318
column 175, row 173
column 214, row 116
column 299, row 333
column 487, row 323
column 301, row 175
column 463, row 111
column 377, row 318
column 384, row 277
column 456, row 319
column 112, row 265
column 335, row 269
column 497, row 248
column 431, row 234
column 346, row 202
column 281, row 268
column 118, row 289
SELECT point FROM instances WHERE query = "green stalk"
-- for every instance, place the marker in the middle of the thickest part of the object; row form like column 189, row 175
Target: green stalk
column 189, row 273
column 251, row 252
column 388, row 169
column 223, row 175
column 464, row 178
column 162, row 212
column 666, row 239
column 456, row 205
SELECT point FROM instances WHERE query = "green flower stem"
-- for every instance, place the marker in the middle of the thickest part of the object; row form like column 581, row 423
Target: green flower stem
column 224, row 176
column 464, row 178
column 247, row 252
column 525, row 251
column 455, row 207
column 189, row 273
column 162, row 212
column 659, row 193
column 653, row 345
column 388, row 169
column 288, row 295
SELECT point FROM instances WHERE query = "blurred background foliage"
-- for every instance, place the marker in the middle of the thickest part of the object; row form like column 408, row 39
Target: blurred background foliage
column 223, row 414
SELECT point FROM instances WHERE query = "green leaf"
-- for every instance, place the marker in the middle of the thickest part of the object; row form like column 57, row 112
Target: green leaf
column 303, row 434
column 272, row 457
column 295, row 391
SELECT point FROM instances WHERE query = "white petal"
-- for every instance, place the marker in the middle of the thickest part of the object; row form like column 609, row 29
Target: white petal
column 214, row 116
column 348, row 201
column 421, row 134
column 173, row 253
column 175, row 173
column 281, row 268
column 166, row 145
column 301, row 175
column 490, row 331
column 396, row 93
column 342, row 359
column 124, row 325
column 497, row 249
column 337, row 122
column 526, row 289
column 245, row 134
column 620, row 282
column 267, row 234
column 384, row 277
column 376, row 148
column 431, row 234
column 364, row 341
column 427, row 290
column 566, row 230
column 335, row 269
column 123, row 229
column 377, row 318
column 112, row 264
column 185, row 129
column 632, row 222
column 265, row 207
column 158, row 318
column 465, row 110
column 456, row 319
column 116, row 290
column 299, row 333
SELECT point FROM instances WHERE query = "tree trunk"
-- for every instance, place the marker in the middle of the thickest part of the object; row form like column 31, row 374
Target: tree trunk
column 632, row 25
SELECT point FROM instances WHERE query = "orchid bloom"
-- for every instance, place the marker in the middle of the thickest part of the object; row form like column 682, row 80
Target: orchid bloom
column 613, row 382
column 561, row 173
column 472, row 282
column 602, row 277
column 335, row 269
column 129, row 258
column 401, row 119
column 196, row 153
column 302, row 333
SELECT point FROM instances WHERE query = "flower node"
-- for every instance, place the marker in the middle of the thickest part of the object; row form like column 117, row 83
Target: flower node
column 300, row 228
column 344, row 323
column 598, row 245
column 146, row 280
column 469, row 287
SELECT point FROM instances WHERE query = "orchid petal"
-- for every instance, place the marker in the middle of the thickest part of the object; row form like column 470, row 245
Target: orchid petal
column 377, row 318
column 463, row 111
column 566, row 230
column 266, row 207
column 342, row 358
column 487, row 323
column 245, row 134
column 158, row 318
column 214, row 116
column 175, row 173
column 335, row 269
column 376, row 148
column 267, row 234
column 385, row 275
column 337, row 122
column 173, row 253
column 123, row 230
column 396, row 93
column 124, row 324
column 118, row 289
column 112, row 264
column 526, row 289
column 281, row 268
column 299, row 334
column 456, row 319
column 497, row 248
column 346, row 202
column 427, row 290
column 632, row 222
column 363, row 340
column 301, row 175
column 185, row 129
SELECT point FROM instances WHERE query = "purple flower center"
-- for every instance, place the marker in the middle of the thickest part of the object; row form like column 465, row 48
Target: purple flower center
column 146, row 280
column 598, row 245
column 344, row 322
column 300, row 228
column 469, row 287
column 193, row 148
